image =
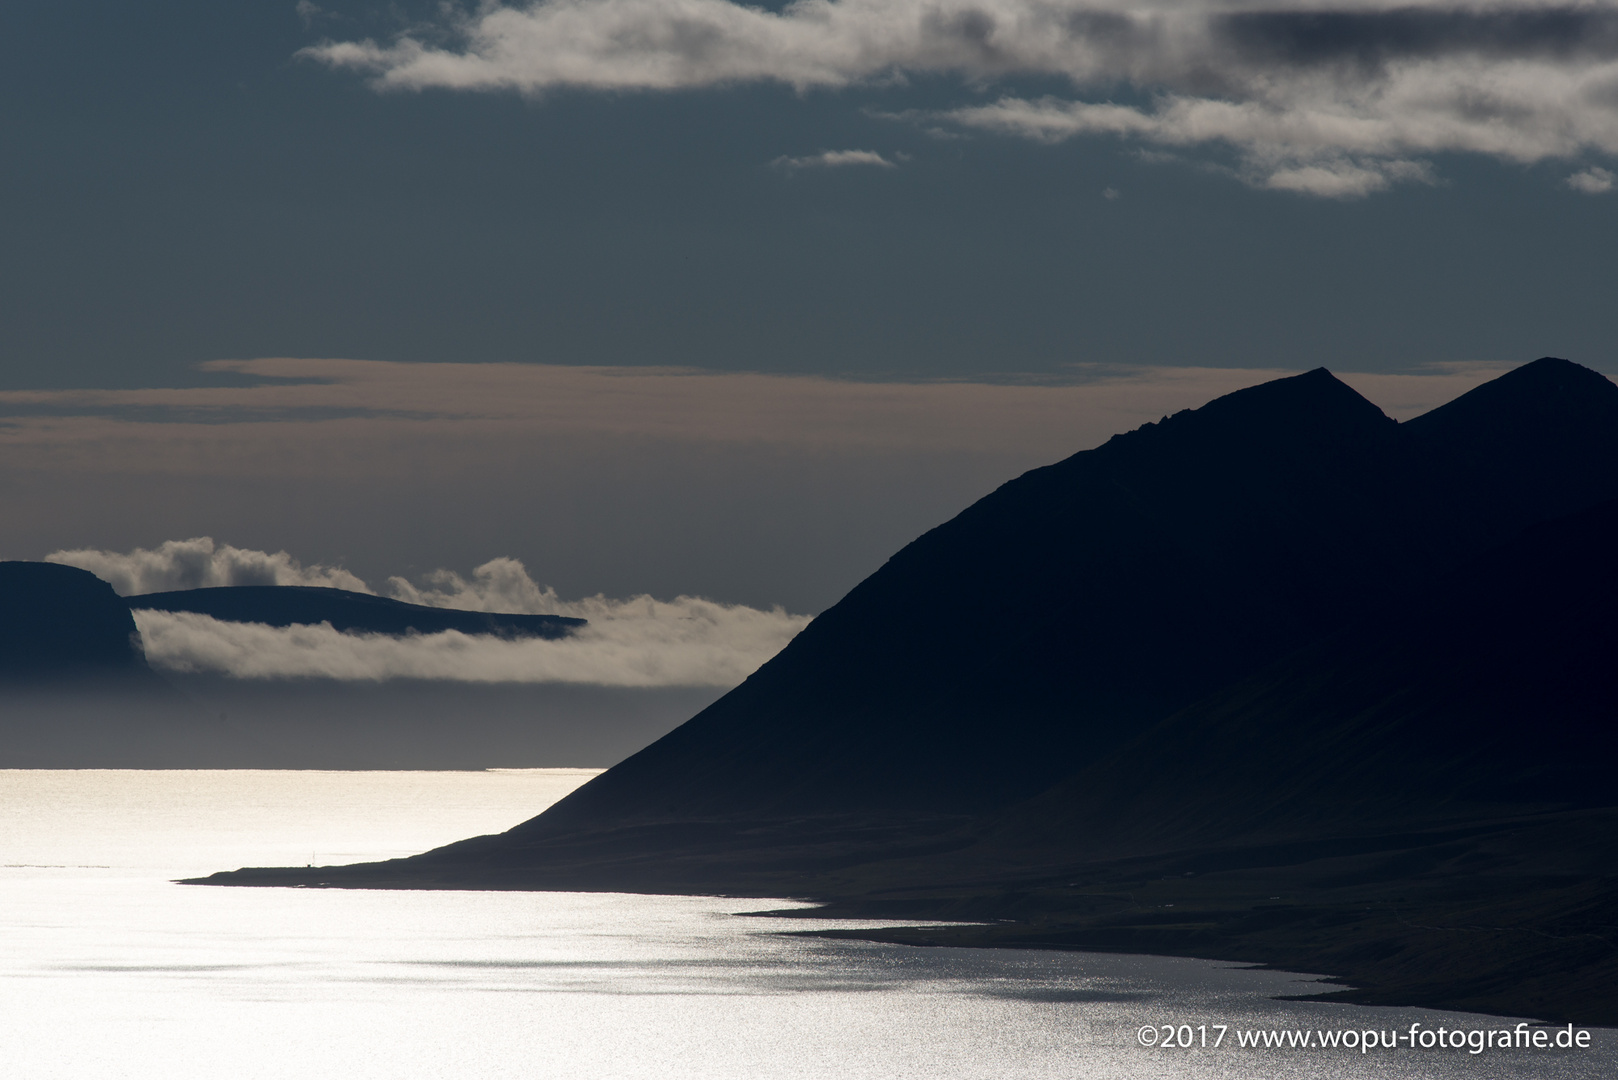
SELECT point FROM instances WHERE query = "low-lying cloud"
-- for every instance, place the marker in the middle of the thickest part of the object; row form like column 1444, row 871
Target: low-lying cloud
column 708, row 645
column 635, row 642
column 1330, row 99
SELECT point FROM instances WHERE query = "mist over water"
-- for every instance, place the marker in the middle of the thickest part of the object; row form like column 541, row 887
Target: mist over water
column 109, row 970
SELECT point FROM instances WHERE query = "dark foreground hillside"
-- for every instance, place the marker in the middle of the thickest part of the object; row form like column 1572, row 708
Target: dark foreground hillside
column 1276, row 679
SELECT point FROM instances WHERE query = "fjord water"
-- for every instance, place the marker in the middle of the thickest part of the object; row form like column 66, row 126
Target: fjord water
column 110, row 970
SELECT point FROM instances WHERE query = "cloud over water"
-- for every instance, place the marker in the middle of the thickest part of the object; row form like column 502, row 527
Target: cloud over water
column 639, row 641
column 719, row 646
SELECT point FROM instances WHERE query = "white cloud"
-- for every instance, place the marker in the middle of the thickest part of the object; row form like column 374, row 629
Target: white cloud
column 504, row 585
column 1337, row 99
column 833, row 159
column 199, row 563
column 498, row 585
column 1285, row 150
column 1593, row 181
column 638, row 641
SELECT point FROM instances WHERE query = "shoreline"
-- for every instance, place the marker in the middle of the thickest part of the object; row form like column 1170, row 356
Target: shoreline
column 1530, row 939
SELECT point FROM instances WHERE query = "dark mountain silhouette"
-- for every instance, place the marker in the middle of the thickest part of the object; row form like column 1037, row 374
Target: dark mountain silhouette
column 1423, row 805
column 59, row 622
column 287, row 605
column 1276, row 647
column 1081, row 579
column 75, row 690
column 1116, row 587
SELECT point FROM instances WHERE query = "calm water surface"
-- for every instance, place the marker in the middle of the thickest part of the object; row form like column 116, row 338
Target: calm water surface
column 107, row 970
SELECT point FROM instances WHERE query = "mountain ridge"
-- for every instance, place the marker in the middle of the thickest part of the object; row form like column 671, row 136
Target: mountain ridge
column 1263, row 592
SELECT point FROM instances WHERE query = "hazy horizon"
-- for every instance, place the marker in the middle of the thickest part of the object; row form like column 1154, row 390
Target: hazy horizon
column 742, row 489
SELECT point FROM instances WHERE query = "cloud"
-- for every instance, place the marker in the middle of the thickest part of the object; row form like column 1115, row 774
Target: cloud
column 639, row 642
column 500, row 585
column 635, row 642
column 308, row 13
column 1592, row 181
column 199, row 563
column 833, row 159
column 1310, row 151
column 1337, row 99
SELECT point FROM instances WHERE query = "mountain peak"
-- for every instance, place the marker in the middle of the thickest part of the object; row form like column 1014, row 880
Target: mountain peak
column 1553, row 371
column 1317, row 392
column 1548, row 393
column 1539, row 442
column 1314, row 409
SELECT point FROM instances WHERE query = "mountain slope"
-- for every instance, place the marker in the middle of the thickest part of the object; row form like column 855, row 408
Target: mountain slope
column 1494, row 693
column 1081, row 579
column 1275, row 649
column 1115, row 587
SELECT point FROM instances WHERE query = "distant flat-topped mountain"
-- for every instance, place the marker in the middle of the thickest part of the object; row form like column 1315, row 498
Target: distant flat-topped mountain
column 288, row 605
column 1331, row 687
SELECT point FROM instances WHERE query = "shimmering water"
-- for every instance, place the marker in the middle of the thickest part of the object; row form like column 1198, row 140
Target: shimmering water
column 108, row 970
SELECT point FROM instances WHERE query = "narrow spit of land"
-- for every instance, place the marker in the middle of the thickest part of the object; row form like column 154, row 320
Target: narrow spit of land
column 1509, row 917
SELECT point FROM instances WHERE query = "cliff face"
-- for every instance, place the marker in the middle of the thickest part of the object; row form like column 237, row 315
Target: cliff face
column 60, row 624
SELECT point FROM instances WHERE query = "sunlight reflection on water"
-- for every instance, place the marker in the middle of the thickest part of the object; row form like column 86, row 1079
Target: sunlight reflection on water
column 108, row 970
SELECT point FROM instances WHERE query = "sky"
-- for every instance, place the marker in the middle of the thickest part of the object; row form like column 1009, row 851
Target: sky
column 690, row 299
column 865, row 188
